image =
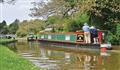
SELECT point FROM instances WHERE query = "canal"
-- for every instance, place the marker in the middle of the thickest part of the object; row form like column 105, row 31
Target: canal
column 52, row 58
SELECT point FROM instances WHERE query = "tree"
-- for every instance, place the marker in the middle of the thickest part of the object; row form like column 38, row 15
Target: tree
column 8, row 1
column 54, row 7
column 3, row 24
column 13, row 27
column 54, row 22
column 3, row 27
column 1, row 1
column 107, row 12
column 77, row 22
column 118, row 30
column 27, row 27
column 61, row 7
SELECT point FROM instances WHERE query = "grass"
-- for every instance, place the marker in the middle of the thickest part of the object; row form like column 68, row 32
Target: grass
column 11, row 61
column 4, row 41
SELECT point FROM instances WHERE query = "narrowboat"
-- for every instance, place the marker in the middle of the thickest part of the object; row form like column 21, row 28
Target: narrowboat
column 76, row 39
column 31, row 37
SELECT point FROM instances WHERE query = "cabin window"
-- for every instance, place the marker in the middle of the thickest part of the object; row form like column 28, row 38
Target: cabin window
column 49, row 37
column 67, row 37
column 42, row 37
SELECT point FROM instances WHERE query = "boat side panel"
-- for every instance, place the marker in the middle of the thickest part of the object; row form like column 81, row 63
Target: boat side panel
column 60, row 37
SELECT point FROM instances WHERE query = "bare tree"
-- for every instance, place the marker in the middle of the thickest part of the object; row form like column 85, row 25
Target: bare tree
column 8, row 1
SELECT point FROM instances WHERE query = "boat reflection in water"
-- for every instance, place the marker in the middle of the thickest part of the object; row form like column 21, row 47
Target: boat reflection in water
column 54, row 58
column 74, row 61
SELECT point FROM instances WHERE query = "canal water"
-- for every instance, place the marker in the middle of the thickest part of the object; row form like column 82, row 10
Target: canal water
column 52, row 58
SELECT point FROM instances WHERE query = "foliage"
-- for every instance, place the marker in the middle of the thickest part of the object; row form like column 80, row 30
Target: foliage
column 105, row 13
column 118, row 30
column 108, row 10
column 77, row 22
column 5, row 40
column 55, row 22
column 10, row 61
column 61, row 7
column 33, row 26
column 114, row 37
column 9, row 29
column 81, row 18
column 8, row 1
column 110, row 36
column 3, row 27
column 13, row 27
column 53, row 7
column 73, row 26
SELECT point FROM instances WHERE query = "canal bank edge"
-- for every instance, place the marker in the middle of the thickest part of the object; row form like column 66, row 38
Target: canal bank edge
column 11, row 61
column 6, row 41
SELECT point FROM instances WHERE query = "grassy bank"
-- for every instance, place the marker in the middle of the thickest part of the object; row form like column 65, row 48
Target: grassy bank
column 4, row 41
column 11, row 61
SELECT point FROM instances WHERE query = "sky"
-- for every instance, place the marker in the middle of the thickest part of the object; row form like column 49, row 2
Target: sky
column 19, row 10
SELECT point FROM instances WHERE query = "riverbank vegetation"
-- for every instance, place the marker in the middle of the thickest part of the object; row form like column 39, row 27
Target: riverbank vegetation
column 4, row 41
column 11, row 61
column 70, row 15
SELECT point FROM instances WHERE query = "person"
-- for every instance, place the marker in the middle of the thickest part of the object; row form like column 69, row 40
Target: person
column 86, row 30
column 94, row 35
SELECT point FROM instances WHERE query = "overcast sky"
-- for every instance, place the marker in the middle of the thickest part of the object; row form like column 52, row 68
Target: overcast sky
column 19, row 10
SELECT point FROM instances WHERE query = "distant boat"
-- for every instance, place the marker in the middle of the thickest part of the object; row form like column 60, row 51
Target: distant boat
column 7, row 36
column 31, row 37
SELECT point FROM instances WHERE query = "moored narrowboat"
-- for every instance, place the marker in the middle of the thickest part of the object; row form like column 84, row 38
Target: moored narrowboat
column 31, row 37
column 72, row 38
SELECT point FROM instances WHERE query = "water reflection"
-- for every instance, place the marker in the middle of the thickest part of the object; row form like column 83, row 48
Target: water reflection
column 30, row 44
column 51, row 58
column 43, row 54
column 12, row 46
column 67, row 57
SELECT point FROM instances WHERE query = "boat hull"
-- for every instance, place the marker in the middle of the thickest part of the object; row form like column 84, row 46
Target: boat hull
column 69, row 44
